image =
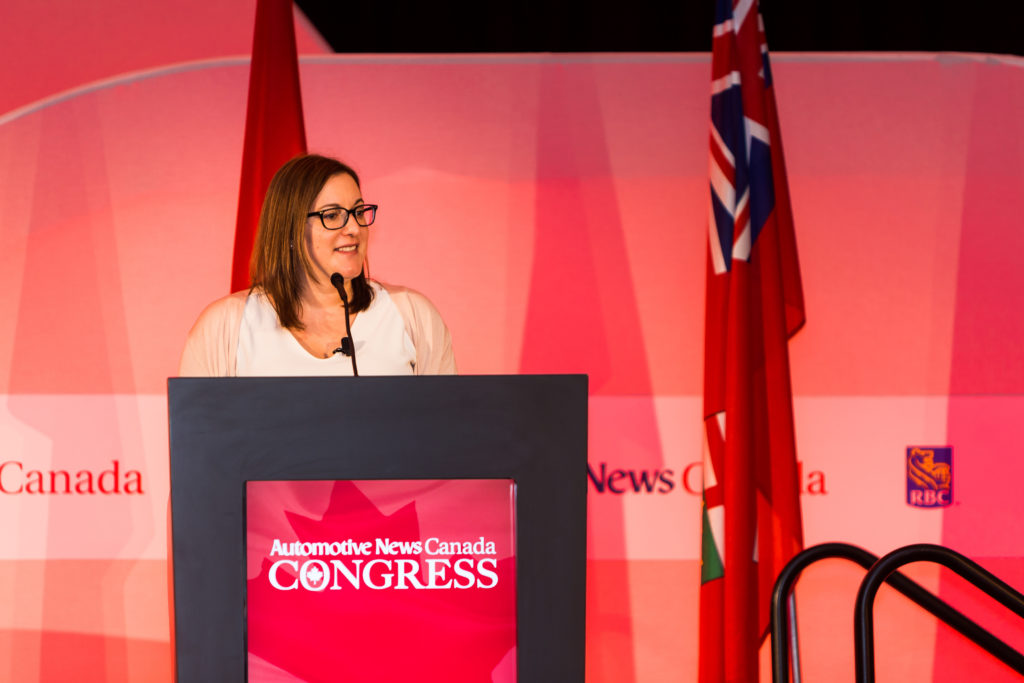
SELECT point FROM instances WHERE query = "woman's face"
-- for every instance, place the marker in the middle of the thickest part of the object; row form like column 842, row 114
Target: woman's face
column 337, row 251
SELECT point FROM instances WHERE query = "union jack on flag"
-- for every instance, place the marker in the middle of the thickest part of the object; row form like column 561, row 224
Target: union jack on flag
column 751, row 508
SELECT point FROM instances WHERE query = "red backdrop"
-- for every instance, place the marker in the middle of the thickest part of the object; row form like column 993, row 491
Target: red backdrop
column 554, row 208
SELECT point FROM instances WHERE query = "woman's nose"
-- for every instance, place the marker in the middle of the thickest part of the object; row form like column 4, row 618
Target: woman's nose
column 350, row 227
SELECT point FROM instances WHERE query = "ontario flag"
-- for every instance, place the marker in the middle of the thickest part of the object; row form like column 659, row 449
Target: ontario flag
column 274, row 127
column 751, row 505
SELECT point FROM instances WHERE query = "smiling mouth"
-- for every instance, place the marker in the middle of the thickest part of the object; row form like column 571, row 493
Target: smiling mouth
column 348, row 249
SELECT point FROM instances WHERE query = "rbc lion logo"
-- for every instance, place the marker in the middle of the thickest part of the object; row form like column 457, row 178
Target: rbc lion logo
column 929, row 476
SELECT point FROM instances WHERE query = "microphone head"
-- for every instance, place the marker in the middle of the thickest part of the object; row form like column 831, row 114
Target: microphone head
column 339, row 284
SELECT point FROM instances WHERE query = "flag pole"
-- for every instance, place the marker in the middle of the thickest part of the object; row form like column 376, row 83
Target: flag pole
column 794, row 639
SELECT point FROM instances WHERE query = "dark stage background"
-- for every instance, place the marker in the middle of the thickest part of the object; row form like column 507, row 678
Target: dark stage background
column 649, row 26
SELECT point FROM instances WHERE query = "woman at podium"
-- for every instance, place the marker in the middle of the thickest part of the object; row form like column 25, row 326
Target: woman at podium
column 311, row 309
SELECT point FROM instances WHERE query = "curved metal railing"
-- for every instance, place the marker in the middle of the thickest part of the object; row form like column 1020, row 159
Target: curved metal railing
column 863, row 617
column 913, row 590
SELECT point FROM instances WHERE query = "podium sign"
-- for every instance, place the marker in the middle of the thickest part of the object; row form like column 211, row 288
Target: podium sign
column 379, row 528
column 344, row 575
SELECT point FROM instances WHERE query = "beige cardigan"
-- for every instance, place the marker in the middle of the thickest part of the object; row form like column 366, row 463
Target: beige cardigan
column 212, row 341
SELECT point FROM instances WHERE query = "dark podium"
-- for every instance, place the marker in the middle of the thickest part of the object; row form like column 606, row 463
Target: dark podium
column 529, row 429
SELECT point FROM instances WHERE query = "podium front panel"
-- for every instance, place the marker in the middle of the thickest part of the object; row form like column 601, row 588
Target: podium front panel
column 527, row 433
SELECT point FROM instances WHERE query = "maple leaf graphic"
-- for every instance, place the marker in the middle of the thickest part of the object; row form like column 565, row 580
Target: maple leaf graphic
column 315, row 576
column 451, row 635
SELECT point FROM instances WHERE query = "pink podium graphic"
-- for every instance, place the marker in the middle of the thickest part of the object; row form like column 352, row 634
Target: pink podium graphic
column 392, row 580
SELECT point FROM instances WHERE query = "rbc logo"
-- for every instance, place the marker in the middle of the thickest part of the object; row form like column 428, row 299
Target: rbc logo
column 929, row 476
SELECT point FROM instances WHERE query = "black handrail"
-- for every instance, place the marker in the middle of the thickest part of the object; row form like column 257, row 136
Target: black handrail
column 863, row 618
column 920, row 595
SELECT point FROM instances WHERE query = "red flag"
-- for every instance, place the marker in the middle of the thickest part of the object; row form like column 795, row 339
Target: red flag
column 274, row 131
column 751, row 510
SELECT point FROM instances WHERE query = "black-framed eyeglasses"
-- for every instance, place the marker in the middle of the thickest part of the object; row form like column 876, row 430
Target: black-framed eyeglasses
column 336, row 217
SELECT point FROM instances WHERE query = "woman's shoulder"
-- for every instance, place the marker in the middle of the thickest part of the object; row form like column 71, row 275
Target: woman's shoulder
column 209, row 347
column 426, row 328
column 227, row 307
column 407, row 298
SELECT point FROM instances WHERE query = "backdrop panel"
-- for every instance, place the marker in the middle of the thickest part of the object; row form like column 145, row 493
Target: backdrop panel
column 554, row 208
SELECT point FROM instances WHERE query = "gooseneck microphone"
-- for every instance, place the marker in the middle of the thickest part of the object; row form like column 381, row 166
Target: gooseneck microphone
column 347, row 347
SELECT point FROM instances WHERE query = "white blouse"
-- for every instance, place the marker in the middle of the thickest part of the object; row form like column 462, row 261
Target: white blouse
column 265, row 349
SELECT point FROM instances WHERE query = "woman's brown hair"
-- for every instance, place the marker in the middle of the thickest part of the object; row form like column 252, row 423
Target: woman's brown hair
column 280, row 259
